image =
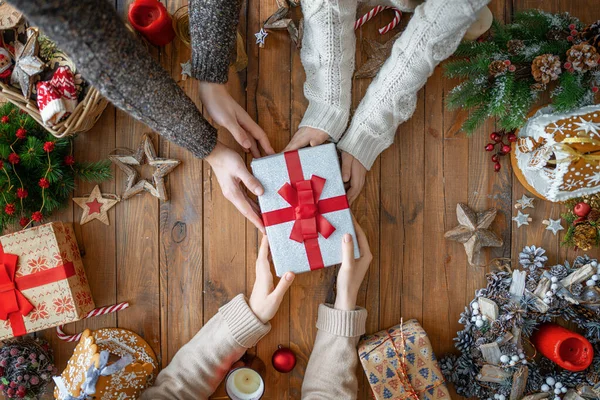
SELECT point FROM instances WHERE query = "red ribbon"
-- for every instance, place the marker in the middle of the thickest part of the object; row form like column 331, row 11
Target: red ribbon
column 13, row 304
column 303, row 195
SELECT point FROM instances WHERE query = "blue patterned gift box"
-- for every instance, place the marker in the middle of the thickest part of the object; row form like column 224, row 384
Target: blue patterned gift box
column 400, row 364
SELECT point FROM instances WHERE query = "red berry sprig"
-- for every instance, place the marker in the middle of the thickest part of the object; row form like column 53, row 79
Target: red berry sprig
column 503, row 148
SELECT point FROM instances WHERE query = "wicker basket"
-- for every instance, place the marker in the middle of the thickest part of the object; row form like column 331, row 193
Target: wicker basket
column 81, row 119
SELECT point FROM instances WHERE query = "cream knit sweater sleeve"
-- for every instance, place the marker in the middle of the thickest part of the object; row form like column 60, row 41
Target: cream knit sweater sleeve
column 432, row 35
column 331, row 370
column 200, row 365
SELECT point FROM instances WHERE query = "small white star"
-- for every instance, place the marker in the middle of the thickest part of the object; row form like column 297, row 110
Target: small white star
column 521, row 219
column 553, row 225
column 587, row 126
column 186, row 70
column 594, row 178
column 260, row 37
column 525, row 202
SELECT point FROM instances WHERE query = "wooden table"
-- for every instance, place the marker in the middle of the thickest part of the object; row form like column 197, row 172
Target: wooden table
column 178, row 262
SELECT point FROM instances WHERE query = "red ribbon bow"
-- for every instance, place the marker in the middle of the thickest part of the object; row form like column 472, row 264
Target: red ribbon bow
column 303, row 195
column 13, row 304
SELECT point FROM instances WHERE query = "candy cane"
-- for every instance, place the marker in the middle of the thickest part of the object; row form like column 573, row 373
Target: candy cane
column 94, row 313
column 368, row 16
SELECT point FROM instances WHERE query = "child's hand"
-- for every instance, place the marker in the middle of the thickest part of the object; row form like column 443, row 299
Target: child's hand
column 306, row 136
column 265, row 298
column 352, row 272
column 355, row 173
column 226, row 112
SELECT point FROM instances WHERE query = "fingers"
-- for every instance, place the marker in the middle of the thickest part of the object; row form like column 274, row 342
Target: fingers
column 356, row 182
column 298, row 141
column 263, row 268
column 346, row 166
column 284, row 284
column 256, row 132
column 347, row 250
column 363, row 243
column 250, row 182
column 239, row 134
column 241, row 203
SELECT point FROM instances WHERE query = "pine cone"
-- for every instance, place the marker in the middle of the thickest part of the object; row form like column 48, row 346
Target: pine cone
column 570, row 379
column 583, row 57
column 576, row 289
column 559, row 271
column 463, row 341
column 585, row 236
column 515, row 46
column 533, row 258
column 497, row 68
column 546, row 68
column 591, row 35
column 594, row 215
column 531, row 285
column 557, row 35
column 538, row 87
column 592, row 377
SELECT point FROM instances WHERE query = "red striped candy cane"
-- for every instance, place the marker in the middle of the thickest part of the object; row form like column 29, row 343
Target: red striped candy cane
column 94, row 313
column 376, row 10
column 391, row 25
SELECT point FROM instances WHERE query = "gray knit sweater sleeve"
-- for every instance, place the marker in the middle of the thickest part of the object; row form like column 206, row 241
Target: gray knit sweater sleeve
column 116, row 63
column 213, row 28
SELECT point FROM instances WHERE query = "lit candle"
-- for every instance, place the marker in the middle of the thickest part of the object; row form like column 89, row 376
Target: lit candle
column 244, row 384
column 569, row 350
column 481, row 25
column 151, row 19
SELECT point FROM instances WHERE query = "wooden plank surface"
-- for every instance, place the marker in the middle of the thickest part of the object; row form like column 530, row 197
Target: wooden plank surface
column 178, row 262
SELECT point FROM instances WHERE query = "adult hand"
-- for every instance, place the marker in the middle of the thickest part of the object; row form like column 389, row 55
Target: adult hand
column 352, row 272
column 226, row 112
column 354, row 173
column 231, row 172
column 306, row 136
column 266, row 298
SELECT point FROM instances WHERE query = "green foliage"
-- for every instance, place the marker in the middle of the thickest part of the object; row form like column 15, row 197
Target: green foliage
column 35, row 163
column 570, row 93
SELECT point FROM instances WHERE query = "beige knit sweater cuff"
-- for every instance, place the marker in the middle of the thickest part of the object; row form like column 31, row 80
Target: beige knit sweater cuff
column 341, row 322
column 244, row 325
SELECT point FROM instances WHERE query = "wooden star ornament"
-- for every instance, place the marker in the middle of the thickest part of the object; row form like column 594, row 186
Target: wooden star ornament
column 27, row 63
column 95, row 206
column 145, row 154
column 473, row 232
column 376, row 53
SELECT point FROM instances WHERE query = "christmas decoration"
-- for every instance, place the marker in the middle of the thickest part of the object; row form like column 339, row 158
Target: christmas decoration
column 499, row 356
column 26, row 367
column 524, row 202
column 554, row 225
column 95, row 206
column 37, row 170
column 260, row 37
column 27, row 63
column 376, row 53
column 6, row 65
column 9, row 16
column 498, row 141
column 541, row 55
column 57, row 98
column 145, row 154
column 566, row 348
column 152, row 20
column 283, row 360
column 521, row 219
column 376, row 10
column 473, row 232
column 244, row 383
column 46, row 282
column 482, row 24
column 94, row 313
column 93, row 371
column 310, row 181
column 186, row 70
column 281, row 19
column 556, row 154
column 583, row 219
column 400, row 364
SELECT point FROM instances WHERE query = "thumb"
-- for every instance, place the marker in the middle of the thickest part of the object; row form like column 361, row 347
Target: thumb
column 251, row 182
column 347, row 250
column 282, row 286
column 346, row 166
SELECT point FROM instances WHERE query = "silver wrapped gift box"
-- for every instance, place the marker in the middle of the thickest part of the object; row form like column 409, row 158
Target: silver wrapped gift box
column 304, row 208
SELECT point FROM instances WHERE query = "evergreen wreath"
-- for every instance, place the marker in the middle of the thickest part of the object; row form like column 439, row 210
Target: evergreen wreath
column 505, row 73
column 579, row 304
column 37, row 170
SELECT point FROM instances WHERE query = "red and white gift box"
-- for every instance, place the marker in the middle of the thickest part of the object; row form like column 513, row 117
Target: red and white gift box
column 42, row 280
column 304, row 208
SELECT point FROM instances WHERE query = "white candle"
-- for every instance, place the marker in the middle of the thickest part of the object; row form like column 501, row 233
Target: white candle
column 244, row 384
column 481, row 25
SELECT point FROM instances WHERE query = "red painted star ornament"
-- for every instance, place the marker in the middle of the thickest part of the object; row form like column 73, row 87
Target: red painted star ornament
column 95, row 206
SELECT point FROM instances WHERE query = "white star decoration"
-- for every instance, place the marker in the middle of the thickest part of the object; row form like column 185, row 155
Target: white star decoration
column 557, row 128
column 553, row 225
column 260, row 37
column 521, row 219
column 186, row 70
column 525, row 202
column 594, row 179
column 587, row 126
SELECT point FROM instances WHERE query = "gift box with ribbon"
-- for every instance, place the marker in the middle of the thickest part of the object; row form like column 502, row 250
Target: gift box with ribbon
column 400, row 364
column 304, row 208
column 42, row 280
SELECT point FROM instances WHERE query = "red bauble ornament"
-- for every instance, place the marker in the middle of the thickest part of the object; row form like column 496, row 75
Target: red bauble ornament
column 506, row 149
column 489, row 147
column 512, row 137
column 283, row 360
column 569, row 350
column 495, row 137
column 572, row 27
column 495, row 158
column 582, row 209
column 497, row 167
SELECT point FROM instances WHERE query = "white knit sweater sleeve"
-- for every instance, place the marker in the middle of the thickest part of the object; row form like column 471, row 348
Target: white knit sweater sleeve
column 432, row 35
column 328, row 48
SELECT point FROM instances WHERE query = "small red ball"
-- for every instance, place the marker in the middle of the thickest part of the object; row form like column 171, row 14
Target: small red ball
column 573, row 32
column 497, row 167
column 489, row 147
column 24, row 221
column 495, row 137
column 21, row 133
column 5, row 119
column 512, row 137
column 11, row 392
column 495, row 158
column 572, row 26
column 568, row 65
column 595, row 89
column 570, row 38
column 582, row 209
column 44, row 183
column 49, row 146
column 10, row 210
column 283, row 360
column 506, row 149
column 14, row 158
column 69, row 160
column 37, row 216
column 22, row 193
column 507, row 62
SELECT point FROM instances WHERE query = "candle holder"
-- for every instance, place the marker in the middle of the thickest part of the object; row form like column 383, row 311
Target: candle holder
column 569, row 350
column 151, row 19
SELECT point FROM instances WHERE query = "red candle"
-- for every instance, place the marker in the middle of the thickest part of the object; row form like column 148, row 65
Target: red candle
column 569, row 350
column 151, row 19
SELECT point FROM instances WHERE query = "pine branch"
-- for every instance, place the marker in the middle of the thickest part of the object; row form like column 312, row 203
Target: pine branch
column 475, row 49
column 569, row 92
column 501, row 93
column 475, row 119
column 468, row 94
column 500, row 35
column 521, row 100
column 93, row 172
